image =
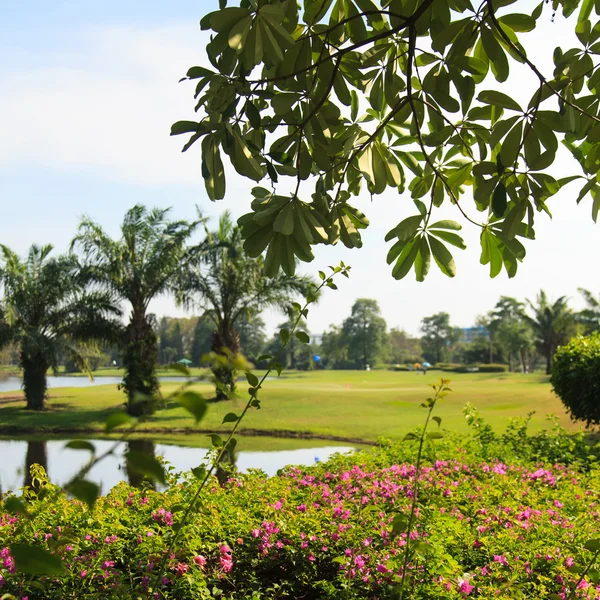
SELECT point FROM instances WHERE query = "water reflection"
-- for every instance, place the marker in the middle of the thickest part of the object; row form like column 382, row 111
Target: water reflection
column 36, row 455
column 63, row 463
column 147, row 448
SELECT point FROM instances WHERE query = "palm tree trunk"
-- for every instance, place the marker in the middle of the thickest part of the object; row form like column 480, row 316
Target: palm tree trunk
column 35, row 384
column 36, row 455
column 140, row 357
column 226, row 343
column 549, row 355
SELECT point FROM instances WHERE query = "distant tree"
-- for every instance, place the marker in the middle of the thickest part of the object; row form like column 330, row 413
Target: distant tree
column 227, row 283
column 202, row 339
column 252, row 335
column 438, row 336
column 590, row 317
column 403, row 348
column 334, row 349
column 136, row 268
column 49, row 312
column 552, row 323
column 511, row 333
column 476, row 351
column 296, row 355
column 365, row 333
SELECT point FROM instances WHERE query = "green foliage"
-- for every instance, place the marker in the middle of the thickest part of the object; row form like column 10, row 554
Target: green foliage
column 137, row 267
column 50, row 311
column 493, row 368
column 347, row 96
column 230, row 283
column 552, row 323
column 364, row 333
column 288, row 535
column 438, row 336
column 576, row 377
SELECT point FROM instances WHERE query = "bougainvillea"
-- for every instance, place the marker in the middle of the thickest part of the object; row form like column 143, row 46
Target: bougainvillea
column 485, row 529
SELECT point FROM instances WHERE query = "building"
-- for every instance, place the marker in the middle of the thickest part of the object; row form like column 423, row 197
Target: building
column 468, row 334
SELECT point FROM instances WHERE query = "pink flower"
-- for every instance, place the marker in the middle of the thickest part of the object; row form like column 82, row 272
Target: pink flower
column 200, row 560
column 302, row 508
column 464, row 587
column 499, row 558
column 569, row 562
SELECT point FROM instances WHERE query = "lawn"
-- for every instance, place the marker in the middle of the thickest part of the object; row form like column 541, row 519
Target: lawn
column 347, row 404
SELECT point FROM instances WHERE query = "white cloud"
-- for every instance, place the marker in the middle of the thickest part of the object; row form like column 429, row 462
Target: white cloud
column 108, row 107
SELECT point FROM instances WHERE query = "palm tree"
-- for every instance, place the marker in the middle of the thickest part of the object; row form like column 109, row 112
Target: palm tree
column 590, row 316
column 49, row 311
column 137, row 267
column 228, row 285
column 553, row 324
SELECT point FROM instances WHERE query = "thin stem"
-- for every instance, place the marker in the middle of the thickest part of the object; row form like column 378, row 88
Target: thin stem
column 225, row 446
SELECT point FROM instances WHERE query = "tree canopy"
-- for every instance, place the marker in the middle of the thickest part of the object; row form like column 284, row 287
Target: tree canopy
column 331, row 97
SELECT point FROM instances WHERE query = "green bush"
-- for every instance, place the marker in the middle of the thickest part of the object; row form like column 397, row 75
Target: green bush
column 493, row 368
column 494, row 511
column 576, row 378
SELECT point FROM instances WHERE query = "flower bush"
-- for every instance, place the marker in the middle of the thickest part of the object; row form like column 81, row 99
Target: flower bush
column 508, row 527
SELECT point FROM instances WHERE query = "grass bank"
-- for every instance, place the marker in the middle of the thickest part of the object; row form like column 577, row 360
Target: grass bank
column 348, row 405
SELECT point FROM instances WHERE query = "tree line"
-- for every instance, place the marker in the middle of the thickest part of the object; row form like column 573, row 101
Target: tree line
column 67, row 308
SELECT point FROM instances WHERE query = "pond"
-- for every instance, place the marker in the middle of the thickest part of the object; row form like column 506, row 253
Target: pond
column 13, row 384
column 62, row 463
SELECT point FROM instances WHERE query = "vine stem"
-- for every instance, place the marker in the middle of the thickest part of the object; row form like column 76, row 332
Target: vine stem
column 413, row 508
column 249, row 404
column 585, row 572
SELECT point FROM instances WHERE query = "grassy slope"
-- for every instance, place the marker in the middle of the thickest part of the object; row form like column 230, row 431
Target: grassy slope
column 352, row 404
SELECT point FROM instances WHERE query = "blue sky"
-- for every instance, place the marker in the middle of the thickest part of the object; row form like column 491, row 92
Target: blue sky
column 87, row 94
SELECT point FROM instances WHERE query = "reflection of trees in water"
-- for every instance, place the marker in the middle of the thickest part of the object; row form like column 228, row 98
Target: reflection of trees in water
column 146, row 447
column 36, row 454
column 227, row 465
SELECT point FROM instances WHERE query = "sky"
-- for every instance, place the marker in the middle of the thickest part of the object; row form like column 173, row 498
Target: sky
column 88, row 92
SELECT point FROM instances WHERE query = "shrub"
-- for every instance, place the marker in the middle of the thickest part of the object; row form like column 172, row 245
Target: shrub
column 324, row 531
column 493, row 368
column 576, row 378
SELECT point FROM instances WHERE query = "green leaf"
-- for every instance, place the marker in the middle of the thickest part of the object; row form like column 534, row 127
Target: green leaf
column 410, row 436
column 585, row 11
column 405, row 260
column 230, row 418
column 34, row 560
column 194, row 403
column 185, row 127
column 449, row 237
column 498, row 99
column 438, row 420
column 180, row 369
column 284, row 335
column 145, row 465
column 251, row 378
column 264, row 357
column 509, row 151
column 15, row 506
column 499, row 200
column 435, row 435
column 442, row 257
column 446, row 224
column 199, row 472
column 302, row 336
column 405, row 229
column 592, row 545
column 81, row 445
column 117, row 420
column 399, row 524
column 216, row 440
column 423, row 260
column 86, row 491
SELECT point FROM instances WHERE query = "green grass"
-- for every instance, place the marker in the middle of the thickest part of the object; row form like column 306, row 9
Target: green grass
column 351, row 404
